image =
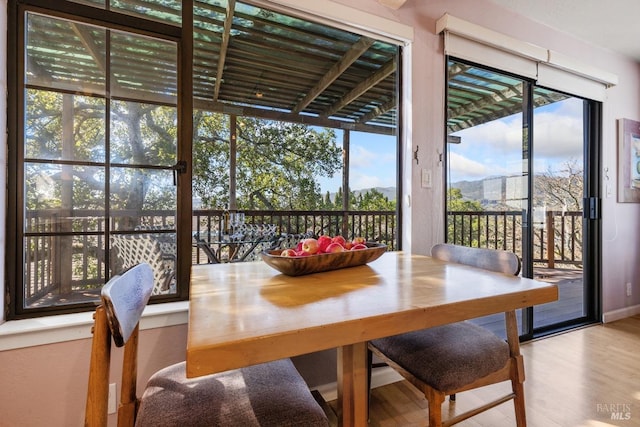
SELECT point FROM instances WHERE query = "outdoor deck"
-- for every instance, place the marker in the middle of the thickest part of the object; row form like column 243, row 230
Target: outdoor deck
column 556, row 249
column 570, row 304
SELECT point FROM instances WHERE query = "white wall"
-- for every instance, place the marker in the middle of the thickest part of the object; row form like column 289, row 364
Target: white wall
column 47, row 384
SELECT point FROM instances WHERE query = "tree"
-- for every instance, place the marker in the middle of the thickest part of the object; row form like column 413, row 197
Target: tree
column 278, row 163
column 561, row 191
column 373, row 200
column 457, row 203
column 458, row 229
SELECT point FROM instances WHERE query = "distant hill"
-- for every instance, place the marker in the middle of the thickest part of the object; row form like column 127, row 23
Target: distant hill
column 388, row 192
column 471, row 190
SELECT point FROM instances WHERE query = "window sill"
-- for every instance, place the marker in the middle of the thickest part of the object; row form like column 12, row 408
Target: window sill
column 18, row 334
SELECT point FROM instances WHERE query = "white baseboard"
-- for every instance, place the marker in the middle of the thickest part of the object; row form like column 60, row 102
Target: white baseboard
column 379, row 377
column 621, row 313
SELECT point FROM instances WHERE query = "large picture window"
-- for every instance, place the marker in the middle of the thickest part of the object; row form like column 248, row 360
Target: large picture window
column 294, row 129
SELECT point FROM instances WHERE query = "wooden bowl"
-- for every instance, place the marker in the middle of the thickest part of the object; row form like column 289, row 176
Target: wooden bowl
column 301, row 265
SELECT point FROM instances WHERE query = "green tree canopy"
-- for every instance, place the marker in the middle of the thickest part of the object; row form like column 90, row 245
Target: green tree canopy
column 278, row 163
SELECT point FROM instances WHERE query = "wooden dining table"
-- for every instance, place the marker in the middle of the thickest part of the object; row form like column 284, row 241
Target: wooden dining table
column 242, row 314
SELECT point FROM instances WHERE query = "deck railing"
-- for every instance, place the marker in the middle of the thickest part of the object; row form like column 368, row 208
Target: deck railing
column 556, row 240
column 66, row 253
column 379, row 226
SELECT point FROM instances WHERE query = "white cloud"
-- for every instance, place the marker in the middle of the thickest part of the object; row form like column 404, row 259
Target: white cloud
column 361, row 158
column 361, row 181
column 495, row 147
column 365, row 162
column 558, row 137
column 464, row 168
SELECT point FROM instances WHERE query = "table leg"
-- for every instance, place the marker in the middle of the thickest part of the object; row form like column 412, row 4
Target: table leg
column 352, row 385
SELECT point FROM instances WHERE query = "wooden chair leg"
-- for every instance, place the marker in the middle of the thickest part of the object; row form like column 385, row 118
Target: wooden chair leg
column 519, row 404
column 369, row 368
column 98, row 389
column 517, row 375
column 128, row 396
column 435, row 400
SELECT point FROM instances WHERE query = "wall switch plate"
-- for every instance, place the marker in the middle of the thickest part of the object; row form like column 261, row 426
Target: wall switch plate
column 629, row 289
column 425, row 179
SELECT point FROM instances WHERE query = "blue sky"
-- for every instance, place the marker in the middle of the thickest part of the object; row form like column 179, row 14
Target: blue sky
column 495, row 148
column 372, row 159
column 491, row 149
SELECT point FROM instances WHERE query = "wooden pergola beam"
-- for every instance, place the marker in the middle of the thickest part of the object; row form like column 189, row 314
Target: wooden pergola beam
column 358, row 48
column 362, row 87
column 290, row 117
column 378, row 111
column 224, row 45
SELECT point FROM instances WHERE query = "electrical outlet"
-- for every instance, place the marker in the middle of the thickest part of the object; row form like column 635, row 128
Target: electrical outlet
column 629, row 289
column 112, row 398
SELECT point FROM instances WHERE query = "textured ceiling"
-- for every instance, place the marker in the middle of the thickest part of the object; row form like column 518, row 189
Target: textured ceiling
column 611, row 24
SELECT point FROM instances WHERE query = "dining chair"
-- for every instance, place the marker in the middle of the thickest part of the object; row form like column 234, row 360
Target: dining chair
column 269, row 394
column 448, row 359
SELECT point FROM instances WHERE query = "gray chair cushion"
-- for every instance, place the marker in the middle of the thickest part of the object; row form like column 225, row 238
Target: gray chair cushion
column 270, row 394
column 449, row 356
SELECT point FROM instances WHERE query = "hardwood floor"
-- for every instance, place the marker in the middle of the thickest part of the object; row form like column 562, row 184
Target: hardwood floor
column 583, row 378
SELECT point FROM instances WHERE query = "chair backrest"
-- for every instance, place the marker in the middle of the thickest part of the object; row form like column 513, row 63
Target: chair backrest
column 123, row 298
column 291, row 240
column 488, row 259
column 167, row 241
column 134, row 249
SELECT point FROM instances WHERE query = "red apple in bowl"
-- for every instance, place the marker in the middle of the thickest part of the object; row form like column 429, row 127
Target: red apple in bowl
column 310, row 246
column 339, row 239
column 323, row 242
column 335, row 247
column 358, row 239
column 358, row 246
column 288, row 252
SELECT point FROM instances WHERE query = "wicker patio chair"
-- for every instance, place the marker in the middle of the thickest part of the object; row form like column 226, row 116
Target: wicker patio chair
column 133, row 249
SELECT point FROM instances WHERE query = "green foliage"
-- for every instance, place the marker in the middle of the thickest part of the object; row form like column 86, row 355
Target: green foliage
column 456, row 203
column 373, row 200
column 278, row 163
column 462, row 229
column 211, row 159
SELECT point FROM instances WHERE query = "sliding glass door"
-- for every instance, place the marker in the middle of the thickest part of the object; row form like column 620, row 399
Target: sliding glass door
column 558, row 182
column 516, row 181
